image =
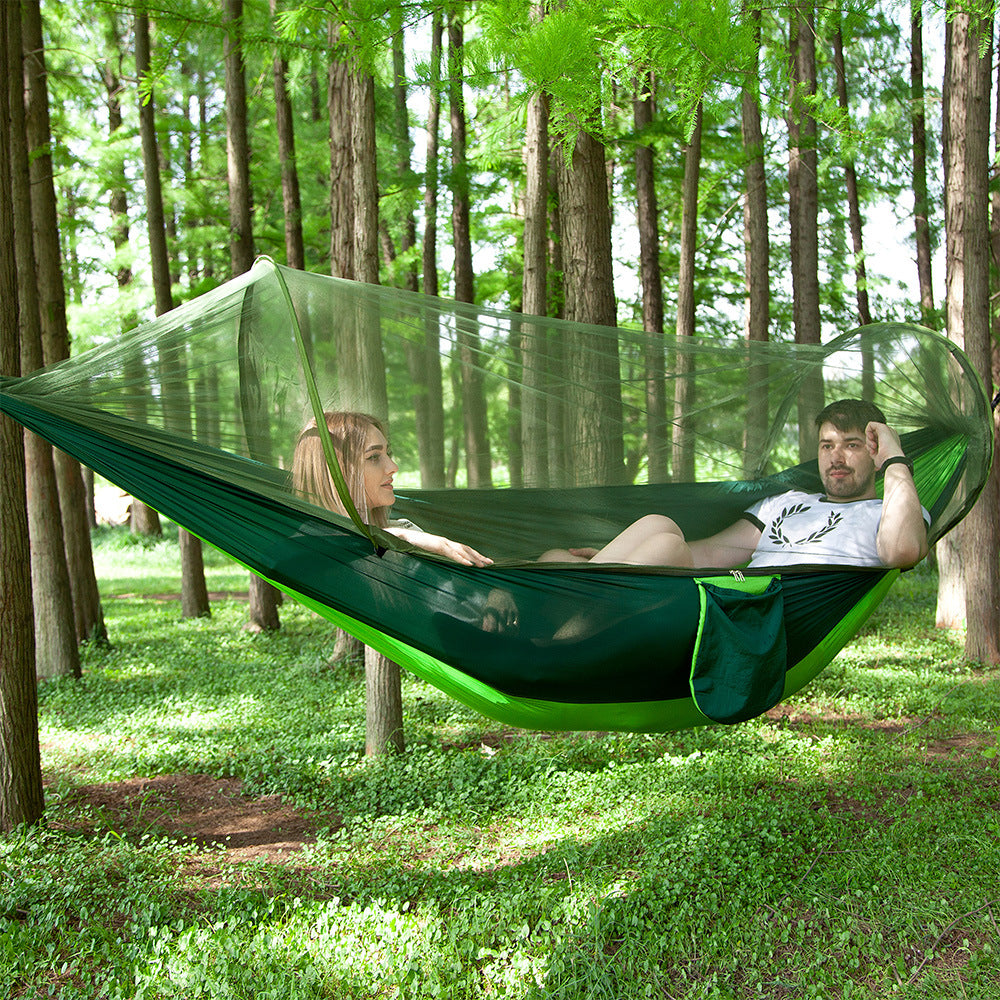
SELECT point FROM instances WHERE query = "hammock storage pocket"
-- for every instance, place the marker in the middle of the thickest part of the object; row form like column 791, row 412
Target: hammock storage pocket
column 740, row 653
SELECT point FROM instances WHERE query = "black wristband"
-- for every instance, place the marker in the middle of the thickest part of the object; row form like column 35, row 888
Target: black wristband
column 898, row 460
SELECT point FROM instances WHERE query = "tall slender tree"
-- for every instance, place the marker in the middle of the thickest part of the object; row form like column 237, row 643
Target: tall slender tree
column 594, row 414
column 803, row 210
column 647, row 217
column 534, row 294
column 684, row 403
column 263, row 596
column 757, row 254
column 295, row 254
column 406, row 220
column 921, row 204
column 851, row 186
column 21, row 795
column 981, row 534
column 56, row 652
column 950, row 611
column 144, row 520
column 75, row 509
column 430, row 425
column 194, row 592
column 477, row 442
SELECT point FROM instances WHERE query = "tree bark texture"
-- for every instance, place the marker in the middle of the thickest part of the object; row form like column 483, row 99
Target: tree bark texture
column 922, row 229
column 76, row 511
column 757, row 256
column 263, row 601
column 477, row 443
column 56, row 651
column 804, row 213
column 194, row 593
column 534, row 295
column 241, row 242
column 851, row 185
column 430, row 425
column 647, row 217
column 981, row 536
column 594, row 410
column 21, row 796
column 339, row 110
column 295, row 254
column 950, row 612
column 684, row 401
column 401, row 115
column 383, row 705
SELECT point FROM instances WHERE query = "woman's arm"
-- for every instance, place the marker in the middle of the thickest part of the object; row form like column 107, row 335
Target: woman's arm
column 441, row 546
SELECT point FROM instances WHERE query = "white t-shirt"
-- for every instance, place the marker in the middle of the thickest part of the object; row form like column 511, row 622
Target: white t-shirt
column 803, row 528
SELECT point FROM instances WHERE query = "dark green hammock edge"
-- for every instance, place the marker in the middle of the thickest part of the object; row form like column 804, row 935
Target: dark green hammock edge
column 649, row 660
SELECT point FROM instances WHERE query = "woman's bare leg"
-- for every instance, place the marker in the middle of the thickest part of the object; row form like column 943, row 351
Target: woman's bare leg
column 653, row 540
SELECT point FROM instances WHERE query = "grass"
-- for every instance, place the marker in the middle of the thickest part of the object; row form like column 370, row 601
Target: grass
column 846, row 846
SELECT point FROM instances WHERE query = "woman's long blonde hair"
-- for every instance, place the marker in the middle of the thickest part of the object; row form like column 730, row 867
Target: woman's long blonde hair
column 311, row 478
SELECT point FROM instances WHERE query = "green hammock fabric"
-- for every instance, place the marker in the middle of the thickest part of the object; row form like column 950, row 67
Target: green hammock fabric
column 196, row 413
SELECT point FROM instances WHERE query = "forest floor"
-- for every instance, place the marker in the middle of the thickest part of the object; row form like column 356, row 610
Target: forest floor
column 214, row 830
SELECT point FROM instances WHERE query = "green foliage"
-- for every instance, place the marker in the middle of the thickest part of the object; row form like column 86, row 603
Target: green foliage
column 847, row 846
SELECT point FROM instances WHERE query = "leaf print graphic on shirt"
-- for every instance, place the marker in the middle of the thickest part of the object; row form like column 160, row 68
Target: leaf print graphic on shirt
column 778, row 536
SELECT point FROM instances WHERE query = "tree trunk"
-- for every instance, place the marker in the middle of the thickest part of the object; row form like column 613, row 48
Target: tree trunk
column 920, row 200
column 853, row 203
column 144, row 520
column 263, row 597
column 982, row 533
column 354, row 249
column 21, row 796
column 756, row 240
column 647, row 213
column 341, row 170
column 241, row 242
column 950, row 611
column 383, row 705
column 339, row 114
column 295, row 254
column 804, row 214
column 477, row 442
column 194, row 593
column 56, row 652
column 384, row 700
column 422, row 358
column 684, row 402
column 556, row 409
column 594, row 411
column 75, row 511
column 430, row 425
column 401, row 123
column 534, row 295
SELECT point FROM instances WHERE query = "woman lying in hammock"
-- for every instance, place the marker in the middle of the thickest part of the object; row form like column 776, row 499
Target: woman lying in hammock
column 365, row 458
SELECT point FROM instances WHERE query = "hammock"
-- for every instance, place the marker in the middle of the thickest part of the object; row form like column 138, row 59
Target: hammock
column 196, row 413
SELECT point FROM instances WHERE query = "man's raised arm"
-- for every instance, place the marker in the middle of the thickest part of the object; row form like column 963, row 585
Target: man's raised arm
column 902, row 534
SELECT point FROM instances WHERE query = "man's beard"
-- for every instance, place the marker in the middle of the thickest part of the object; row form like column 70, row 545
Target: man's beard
column 847, row 489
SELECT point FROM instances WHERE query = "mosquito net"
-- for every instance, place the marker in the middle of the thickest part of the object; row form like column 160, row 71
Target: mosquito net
column 517, row 435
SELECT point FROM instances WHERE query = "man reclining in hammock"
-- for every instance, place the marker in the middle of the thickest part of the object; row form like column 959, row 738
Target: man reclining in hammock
column 847, row 525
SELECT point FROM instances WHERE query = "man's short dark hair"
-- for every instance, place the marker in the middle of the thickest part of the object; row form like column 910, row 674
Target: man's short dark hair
column 849, row 415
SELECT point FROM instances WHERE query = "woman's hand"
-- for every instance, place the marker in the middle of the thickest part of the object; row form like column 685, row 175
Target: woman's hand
column 440, row 546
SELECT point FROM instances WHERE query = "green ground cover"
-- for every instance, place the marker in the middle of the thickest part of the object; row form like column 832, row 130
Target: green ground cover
column 848, row 845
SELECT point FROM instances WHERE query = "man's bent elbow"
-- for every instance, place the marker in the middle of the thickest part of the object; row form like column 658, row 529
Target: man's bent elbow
column 905, row 554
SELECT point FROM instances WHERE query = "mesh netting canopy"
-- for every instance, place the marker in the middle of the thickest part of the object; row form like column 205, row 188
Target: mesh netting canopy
column 517, row 435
